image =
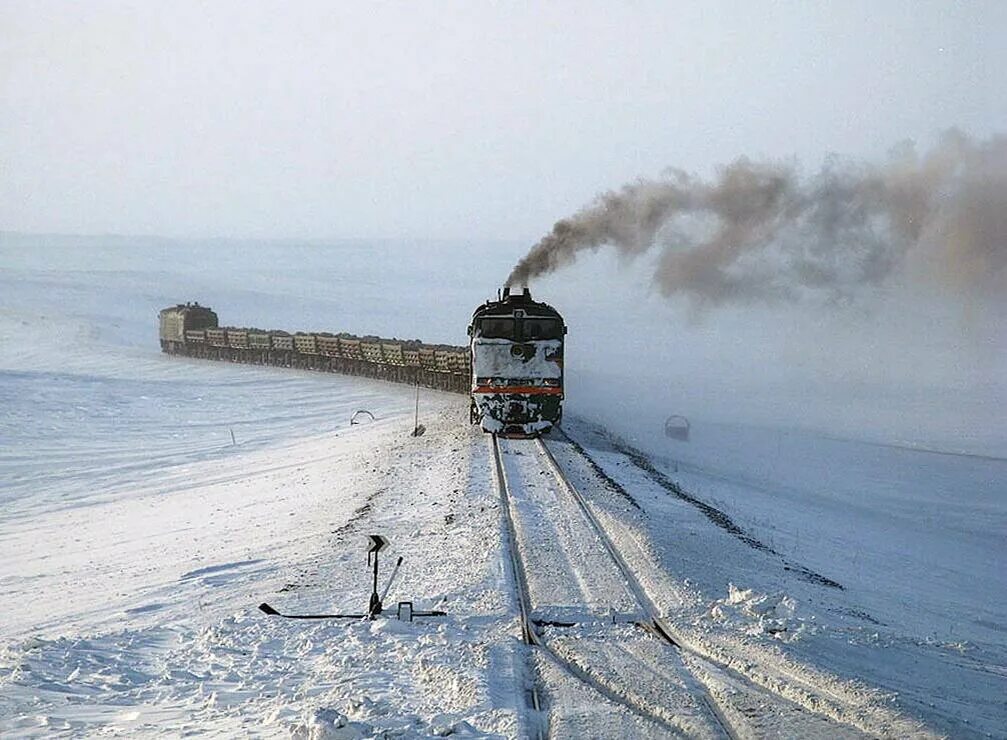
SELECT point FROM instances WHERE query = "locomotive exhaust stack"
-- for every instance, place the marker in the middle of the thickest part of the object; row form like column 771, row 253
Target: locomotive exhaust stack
column 505, row 293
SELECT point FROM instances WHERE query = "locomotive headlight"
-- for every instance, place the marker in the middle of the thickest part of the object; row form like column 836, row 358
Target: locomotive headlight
column 523, row 351
column 491, row 381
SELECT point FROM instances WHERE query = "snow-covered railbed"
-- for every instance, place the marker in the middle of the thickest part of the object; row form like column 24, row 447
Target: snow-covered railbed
column 688, row 693
column 570, row 576
column 783, row 642
column 581, row 612
column 138, row 615
column 753, row 707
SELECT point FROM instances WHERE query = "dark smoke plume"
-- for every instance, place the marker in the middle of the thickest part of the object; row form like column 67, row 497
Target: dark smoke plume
column 761, row 232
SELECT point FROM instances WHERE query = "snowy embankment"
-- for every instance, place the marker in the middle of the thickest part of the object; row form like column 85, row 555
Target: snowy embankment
column 139, row 613
column 828, row 611
column 137, row 539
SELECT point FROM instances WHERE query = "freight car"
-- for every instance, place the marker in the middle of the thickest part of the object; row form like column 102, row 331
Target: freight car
column 517, row 365
column 193, row 331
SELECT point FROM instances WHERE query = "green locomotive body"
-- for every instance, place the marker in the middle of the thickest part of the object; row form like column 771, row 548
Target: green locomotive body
column 516, row 365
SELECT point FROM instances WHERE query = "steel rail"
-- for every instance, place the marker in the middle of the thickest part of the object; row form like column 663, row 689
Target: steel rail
column 655, row 623
column 529, row 634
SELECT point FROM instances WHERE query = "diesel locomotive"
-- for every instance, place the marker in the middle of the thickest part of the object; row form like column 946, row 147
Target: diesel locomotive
column 517, row 365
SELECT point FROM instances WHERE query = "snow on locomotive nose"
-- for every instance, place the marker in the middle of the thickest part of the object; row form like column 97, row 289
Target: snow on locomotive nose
column 517, row 365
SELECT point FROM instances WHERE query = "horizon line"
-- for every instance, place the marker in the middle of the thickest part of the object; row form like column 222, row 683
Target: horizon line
column 219, row 238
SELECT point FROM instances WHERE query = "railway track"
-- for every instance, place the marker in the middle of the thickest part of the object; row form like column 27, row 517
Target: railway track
column 585, row 612
column 582, row 621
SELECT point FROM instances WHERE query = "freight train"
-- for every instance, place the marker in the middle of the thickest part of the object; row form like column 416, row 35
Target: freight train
column 512, row 368
column 517, row 365
column 193, row 330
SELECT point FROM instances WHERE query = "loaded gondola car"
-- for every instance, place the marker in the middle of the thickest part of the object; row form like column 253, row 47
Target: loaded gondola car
column 192, row 330
column 517, row 365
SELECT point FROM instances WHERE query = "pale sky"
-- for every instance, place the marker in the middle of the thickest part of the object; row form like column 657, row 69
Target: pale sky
column 452, row 120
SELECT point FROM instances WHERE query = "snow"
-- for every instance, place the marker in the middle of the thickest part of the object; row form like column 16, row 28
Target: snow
column 831, row 586
column 734, row 589
column 494, row 359
column 149, row 601
column 755, row 613
column 570, row 577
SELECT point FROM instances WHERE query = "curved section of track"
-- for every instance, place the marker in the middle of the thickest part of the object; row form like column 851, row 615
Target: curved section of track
column 590, row 613
column 746, row 708
column 583, row 616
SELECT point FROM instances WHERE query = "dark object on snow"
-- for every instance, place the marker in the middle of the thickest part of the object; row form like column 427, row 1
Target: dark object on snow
column 405, row 612
column 377, row 543
column 273, row 613
column 677, row 427
column 405, row 607
column 418, row 428
column 353, row 419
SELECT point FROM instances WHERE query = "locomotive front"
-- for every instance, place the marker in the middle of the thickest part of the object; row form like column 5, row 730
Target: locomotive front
column 175, row 321
column 517, row 365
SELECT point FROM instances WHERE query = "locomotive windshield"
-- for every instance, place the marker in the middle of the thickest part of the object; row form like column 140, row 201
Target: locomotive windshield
column 542, row 329
column 497, row 328
column 528, row 329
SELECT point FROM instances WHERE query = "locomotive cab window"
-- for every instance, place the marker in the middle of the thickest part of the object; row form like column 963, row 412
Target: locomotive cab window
column 493, row 328
column 542, row 329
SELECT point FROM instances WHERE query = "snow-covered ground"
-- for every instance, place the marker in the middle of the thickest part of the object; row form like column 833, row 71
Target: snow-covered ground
column 934, row 642
column 136, row 539
column 139, row 613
